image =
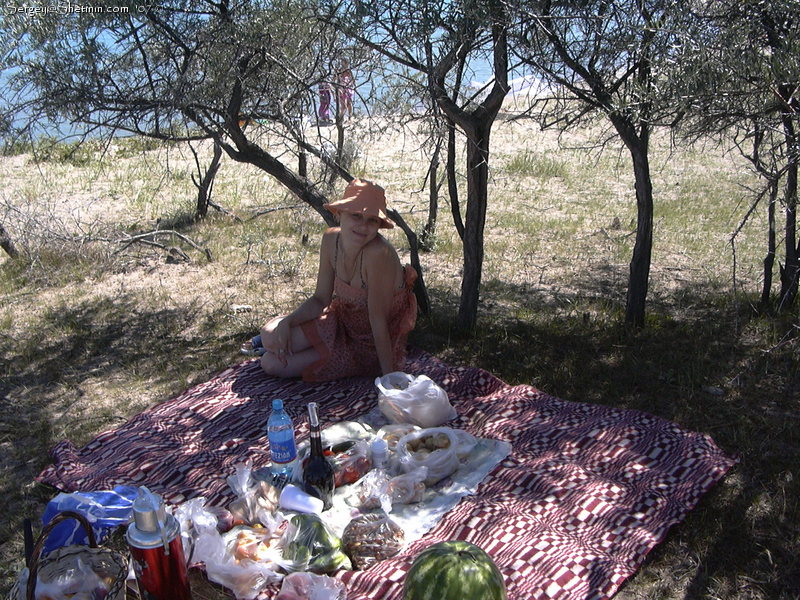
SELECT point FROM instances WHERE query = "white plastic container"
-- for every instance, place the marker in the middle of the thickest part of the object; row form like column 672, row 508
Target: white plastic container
column 293, row 498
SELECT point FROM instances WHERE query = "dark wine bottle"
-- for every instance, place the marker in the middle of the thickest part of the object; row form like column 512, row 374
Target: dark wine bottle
column 318, row 476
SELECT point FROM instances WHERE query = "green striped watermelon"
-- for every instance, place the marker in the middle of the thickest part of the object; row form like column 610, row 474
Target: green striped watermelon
column 454, row 570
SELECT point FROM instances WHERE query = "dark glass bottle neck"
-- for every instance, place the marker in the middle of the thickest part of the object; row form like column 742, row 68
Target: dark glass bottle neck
column 316, row 441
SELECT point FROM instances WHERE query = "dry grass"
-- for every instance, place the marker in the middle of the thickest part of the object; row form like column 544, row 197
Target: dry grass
column 90, row 335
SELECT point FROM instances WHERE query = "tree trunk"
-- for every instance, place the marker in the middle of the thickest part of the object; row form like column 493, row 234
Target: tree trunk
column 477, row 125
column 477, row 196
column 452, row 183
column 639, row 276
column 420, row 290
column 791, row 270
column 769, row 259
column 300, row 186
column 640, row 263
column 206, row 184
column 429, row 231
column 339, row 146
column 6, row 243
column 302, row 164
column 638, row 282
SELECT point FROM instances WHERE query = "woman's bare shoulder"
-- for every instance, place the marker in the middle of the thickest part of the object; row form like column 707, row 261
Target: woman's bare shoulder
column 327, row 246
column 380, row 251
column 382, row 263
column 329, row 237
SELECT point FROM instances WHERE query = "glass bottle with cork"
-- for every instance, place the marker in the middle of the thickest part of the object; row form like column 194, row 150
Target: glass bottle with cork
column 318, row 474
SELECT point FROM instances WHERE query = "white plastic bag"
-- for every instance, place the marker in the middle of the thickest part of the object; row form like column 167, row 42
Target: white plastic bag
column 440, row 449
column 79, row 582
column 245, row 578
column 308, row 586
column 404, row 398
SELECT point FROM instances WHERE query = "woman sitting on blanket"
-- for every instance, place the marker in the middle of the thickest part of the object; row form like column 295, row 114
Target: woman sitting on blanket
column 358, row 320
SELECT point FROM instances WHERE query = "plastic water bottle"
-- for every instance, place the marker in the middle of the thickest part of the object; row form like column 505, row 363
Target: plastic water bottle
column 280, row 432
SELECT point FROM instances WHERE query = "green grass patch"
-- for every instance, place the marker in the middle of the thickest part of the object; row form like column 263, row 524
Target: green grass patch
column 76, row 154
column 135, row 145
column 534, row 164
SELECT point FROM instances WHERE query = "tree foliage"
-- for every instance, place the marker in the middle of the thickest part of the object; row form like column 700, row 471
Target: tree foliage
column 618, row 59
column 743, row 79
column 180, row 70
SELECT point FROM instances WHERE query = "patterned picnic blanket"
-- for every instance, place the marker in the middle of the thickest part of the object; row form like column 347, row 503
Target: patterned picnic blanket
column 586, row 493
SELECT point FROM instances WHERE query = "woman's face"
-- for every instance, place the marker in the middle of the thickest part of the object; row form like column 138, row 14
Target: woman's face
column 360, row 228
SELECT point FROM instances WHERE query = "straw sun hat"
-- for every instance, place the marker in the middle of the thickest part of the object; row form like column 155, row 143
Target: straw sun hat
column 364, row 197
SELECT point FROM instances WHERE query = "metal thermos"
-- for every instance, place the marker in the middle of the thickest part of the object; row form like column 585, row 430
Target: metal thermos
column 154, row 538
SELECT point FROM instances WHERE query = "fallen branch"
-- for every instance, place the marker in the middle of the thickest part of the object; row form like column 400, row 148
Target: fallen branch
column 273, row 209
column 224, row 211
column 147, row 239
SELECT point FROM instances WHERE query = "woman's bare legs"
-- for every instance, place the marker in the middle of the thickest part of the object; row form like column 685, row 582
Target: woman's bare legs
column 293, row 366
column 275, row 361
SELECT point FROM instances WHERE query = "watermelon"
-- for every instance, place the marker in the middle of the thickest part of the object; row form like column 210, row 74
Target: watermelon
column 454, row 570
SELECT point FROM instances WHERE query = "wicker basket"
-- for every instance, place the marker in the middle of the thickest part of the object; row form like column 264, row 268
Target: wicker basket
column 109, row 565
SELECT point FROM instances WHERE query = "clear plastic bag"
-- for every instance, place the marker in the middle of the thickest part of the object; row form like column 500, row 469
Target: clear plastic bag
column 372, row 537
column 311, row 545
column 76, row 583
column 408, row 488
column 374, row 491
column 404, row 398
column 440, row 449
column 351, row 464
column 256, row 501
column 393, row 433
column 203, row 543
column 308, row 586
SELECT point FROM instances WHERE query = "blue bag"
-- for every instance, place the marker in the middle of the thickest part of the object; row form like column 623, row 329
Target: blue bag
column 104, row 510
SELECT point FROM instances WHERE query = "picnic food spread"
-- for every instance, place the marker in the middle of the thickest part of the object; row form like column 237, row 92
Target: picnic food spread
column 355, row 495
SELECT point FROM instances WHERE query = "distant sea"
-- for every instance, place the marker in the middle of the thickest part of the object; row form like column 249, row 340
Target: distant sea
column 478, row 78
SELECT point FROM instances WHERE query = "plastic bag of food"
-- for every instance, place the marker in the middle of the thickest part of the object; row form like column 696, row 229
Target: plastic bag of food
column 350, row 461
column 404, row 398
column 440, row 449
column 79, row 582
column 393, row 433
column 373, row 492
column 253, row 543
column 348, row 456
column 372, row 537
column 257, row 565
column 256, row 501
column 407, row 488
column 310, row 545
column 308, row 586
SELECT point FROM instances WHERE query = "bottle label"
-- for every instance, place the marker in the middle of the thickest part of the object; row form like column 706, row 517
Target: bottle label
column 283, row 451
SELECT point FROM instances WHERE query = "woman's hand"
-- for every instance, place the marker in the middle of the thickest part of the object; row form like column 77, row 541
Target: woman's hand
column 276, row 337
